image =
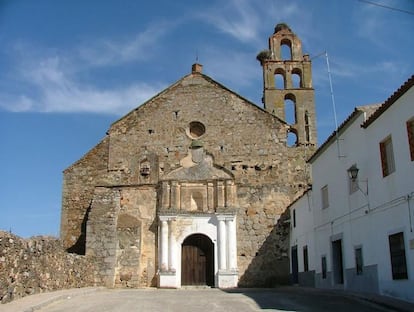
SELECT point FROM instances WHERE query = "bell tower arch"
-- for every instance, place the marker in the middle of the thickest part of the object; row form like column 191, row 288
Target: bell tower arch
column 287, row 80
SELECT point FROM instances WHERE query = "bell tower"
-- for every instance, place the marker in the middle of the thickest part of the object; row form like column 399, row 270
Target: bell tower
column 287, row 84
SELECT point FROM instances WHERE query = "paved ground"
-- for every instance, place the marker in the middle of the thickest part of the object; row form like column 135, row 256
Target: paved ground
column 185, row 300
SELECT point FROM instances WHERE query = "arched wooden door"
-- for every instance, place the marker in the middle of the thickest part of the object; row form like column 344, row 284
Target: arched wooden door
column 197, row 261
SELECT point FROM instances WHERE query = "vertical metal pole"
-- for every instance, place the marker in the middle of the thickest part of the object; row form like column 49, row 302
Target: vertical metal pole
column 333, row 104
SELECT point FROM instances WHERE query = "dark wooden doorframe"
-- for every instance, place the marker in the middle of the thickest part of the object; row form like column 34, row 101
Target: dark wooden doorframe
column 197, row 261
column 337, row 262
column 295, row 265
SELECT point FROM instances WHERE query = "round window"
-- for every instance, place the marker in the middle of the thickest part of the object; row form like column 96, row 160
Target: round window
column 196, row 129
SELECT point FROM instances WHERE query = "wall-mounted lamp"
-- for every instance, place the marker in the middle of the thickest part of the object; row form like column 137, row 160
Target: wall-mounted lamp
column 353, row 172
column 353, row 175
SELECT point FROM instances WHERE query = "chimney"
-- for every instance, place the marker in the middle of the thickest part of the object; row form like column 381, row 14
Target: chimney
column 196, row 68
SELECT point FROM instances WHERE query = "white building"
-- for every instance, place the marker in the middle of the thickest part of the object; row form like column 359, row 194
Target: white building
column 357, row 234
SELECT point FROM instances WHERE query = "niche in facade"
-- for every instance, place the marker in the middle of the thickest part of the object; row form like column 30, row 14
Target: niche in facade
column 196, row 201
column 144, row 168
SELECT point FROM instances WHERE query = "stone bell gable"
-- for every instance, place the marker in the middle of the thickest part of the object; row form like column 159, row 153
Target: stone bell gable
column 196, row 179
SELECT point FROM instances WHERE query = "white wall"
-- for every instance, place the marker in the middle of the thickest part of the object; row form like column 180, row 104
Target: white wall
column 330, row 168
column 367, row 217
column 302, row 234
column 388, row 195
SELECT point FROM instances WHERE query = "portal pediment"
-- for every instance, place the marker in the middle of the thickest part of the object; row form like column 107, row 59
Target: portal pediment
column 198, row 186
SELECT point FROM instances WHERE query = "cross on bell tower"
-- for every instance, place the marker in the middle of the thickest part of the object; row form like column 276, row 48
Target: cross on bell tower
column 287, row 81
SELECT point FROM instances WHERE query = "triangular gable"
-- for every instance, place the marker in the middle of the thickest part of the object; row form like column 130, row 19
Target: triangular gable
column 191, row 76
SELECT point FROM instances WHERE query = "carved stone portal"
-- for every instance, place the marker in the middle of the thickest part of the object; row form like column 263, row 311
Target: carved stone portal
column 197, row 199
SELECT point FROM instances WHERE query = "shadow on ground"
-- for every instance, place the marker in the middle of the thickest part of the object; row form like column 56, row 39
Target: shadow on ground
column 291, row 298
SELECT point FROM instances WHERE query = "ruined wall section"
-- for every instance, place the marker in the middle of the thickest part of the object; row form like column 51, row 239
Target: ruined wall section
column 102, row 240
column 122, row 235
column 39, row 264
column 79, row 181
column 137, row 237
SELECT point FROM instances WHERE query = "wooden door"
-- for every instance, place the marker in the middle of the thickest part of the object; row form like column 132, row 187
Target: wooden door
column 193, row 270
column 197, row 261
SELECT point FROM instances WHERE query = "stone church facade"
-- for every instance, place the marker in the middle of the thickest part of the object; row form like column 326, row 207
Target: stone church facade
column 191, row 187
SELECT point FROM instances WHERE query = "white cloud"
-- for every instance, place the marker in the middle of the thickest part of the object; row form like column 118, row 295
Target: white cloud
column 343, row 68
column 109, row 52
column 374, row 23
column 238, row 19
column 20, row 103
column 241, row 71
column 245, row 19
column 248, row 22
column 57, row 90
column 49, row 79
column 370, row 23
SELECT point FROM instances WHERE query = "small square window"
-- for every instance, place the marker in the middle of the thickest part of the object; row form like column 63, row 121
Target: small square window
column 387, row 157
column 325, row 197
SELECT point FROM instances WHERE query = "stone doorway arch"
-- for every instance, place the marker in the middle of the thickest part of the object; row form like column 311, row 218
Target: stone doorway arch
column 197, row 261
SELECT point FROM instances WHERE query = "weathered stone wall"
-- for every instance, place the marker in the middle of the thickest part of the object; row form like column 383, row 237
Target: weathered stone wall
column 39, row 264
column 267, row 261
column 137, row 237
column 238, row 134
column 78, row 187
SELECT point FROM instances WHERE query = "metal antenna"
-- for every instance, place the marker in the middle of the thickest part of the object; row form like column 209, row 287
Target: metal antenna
column 332, row 98
column 332, row 93
column 333, row 106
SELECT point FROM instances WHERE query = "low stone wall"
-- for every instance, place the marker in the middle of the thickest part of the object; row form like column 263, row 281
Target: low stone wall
column 39, row 264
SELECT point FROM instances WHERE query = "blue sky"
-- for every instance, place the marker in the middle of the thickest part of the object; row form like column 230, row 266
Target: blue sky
column 68, row 69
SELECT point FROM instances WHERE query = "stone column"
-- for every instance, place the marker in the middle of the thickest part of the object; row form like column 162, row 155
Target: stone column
column 222, row 244
column 165, row 195
column 232, row 244
column 220, row 194
column 210, row 196
column 164, row 245
column 230, row 197
column 175, row 195
column 172, row 257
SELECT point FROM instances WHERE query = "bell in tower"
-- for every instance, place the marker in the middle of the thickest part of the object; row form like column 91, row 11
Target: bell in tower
column 287, row 84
